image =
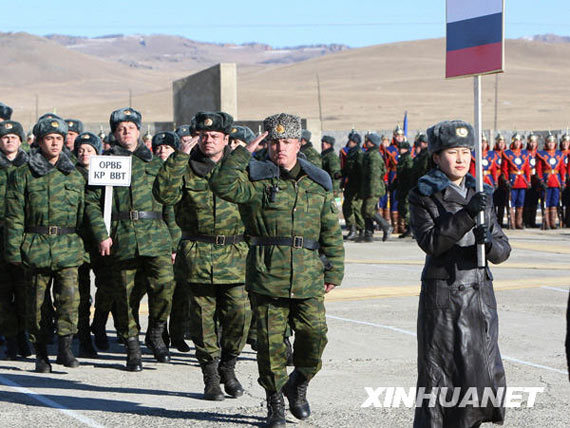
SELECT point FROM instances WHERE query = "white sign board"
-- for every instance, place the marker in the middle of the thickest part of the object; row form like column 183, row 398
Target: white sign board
column 110, row 171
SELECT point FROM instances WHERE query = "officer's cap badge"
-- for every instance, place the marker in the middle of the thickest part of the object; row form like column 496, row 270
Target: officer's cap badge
column 280, row 129
column 462, row 132
column 127, row 113
column 8, row 126
column 208, row 122
column 54, row 124
column 85, row 136
column 234, row 130
column 70, row 123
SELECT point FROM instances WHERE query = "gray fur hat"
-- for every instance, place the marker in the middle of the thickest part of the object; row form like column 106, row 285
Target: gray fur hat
column 50, row 126
column 449, row 134
column 5, row 111
column 218, row 121
column 242, row 133
column 184, row 131
column 167, row 137
column 12, row 127
column 125, row 114
column 306, row 135
column 373, row 138
column 328, row 139
column 87, row 138
column 282, row 126
column 74, row 125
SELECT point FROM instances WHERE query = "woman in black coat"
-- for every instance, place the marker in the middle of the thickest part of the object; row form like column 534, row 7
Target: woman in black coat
column 457, row 315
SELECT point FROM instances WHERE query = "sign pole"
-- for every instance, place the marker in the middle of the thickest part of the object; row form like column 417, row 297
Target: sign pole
column 107, row 208
column 478, row 162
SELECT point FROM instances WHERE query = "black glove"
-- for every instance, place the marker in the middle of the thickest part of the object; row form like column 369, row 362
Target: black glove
column 482, row 235
column 543, row 185
column 478, row 203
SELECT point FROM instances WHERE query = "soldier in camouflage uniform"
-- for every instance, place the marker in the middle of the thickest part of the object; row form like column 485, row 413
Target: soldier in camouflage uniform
column 308, row 150
column 351, row 180
column 404, row 183
column 331, row 162
column 211, row 256
column 289, row 213
column 140, row 240
column 12, row 285
column 373, row 188
column 74, row 128
column 44, row 211
column 421, row 163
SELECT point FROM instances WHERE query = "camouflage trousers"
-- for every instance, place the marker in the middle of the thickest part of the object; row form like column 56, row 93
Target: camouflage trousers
column 351, row 210
column 12, row 300
column 158, row 277
column 404, row 208
column 84, row 275
column 369, row 207
column 104, row 282
column 307, row 317
column 66, row 300
column 179, row 313
column 227, row 305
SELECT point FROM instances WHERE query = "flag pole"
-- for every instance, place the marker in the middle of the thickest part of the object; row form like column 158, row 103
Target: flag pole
column 478, row 163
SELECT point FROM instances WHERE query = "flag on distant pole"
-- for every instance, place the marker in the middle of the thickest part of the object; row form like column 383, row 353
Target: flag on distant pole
column 475, row 39
column 406, row 123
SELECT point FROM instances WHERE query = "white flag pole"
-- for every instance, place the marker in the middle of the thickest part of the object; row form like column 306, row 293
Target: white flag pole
column 478, row 163
column 107, row 208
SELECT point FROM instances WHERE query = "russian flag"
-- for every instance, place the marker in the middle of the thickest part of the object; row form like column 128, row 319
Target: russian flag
column 475, row 40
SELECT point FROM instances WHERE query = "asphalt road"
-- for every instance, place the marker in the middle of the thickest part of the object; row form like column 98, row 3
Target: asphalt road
column 372, row 322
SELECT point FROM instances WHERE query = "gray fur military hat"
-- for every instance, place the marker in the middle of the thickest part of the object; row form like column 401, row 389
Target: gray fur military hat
column 449, row 134
column 218, row 121
column 12, row 127
column 355, row 137
column 373, row 138
column 5, row 111
column 183, row 131
column 282, row 126
column 306, row 135
column 328, row 139
column 50, row 126
column 166, row 137
column 74, row 125
column 125, row 114
column 88, row 138
column 242, row 133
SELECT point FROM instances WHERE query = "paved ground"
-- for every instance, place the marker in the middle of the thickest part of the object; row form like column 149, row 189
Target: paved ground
column 371, row 344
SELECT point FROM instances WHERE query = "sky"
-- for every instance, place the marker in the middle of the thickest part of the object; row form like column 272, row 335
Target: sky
column 279, row 24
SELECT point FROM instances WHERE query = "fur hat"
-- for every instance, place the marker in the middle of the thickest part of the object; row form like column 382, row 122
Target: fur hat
column 242, row 133
column 306, row 135
column 166, row 137
column 74, row 125
column 218, row 121
column 5, row 111
column 87, row 138
column 283, row 126
column 12, row 127
column 50, row 126
column 125, row 114
column 328, row 139
column 373, row 138
column 449, row 134
column 184, row 131
column 355, row 136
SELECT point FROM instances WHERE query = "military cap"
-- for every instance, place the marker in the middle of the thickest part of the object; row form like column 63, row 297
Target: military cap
column 87, row 138
column 549, row 137
column 373, row 138
column 422, row 138
column 404, row 145
column 125, row 114
column 306, row 135
column 5, row 111
column 50, row 126
column 166, row 137
column 74, row 125
column 218, row 121
column 328, row 139
column 516, row 136
column 193, row 126
column 12, row 127
column 398, row 130
column 242, row 133
column 449, row 134
column 282, row 126
column 184, row 131
column 355, row 137
column 49, row 116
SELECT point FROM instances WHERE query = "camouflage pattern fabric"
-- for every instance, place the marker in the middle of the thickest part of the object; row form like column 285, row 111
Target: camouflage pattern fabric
column 307, row 317
column 180, row 310
column 331, row 164
column 84, row 287
column 405, row 182
column 352, row 177
column 373, row 171
column 12, row 300
column 301, row 207
column 311, row 154
column 229, row 305
column 66, row 300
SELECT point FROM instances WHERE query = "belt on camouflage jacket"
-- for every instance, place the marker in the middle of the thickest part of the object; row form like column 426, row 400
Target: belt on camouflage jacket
column 136, row 215
column 295, row 242
column 211, row 239
column 51, row 230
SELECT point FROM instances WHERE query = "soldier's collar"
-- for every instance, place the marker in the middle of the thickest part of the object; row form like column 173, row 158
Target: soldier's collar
column 201, row 164
column 324, row 152
column 142, row 151
column 20, row 159
column 41, row 166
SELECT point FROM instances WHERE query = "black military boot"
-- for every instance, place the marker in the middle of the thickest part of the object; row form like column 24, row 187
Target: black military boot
column 86, row 348
column 154, row 341
column 296, row 392
column 23, row 345
column 11, row 348
column 42, row 360
column 179, row 344
column 275, row 410
column 228, row 377
column 406, row 233
column 289, row 350
column 351, row 233
column 98, row 330
column 64, row 354
column 134, row 360
column 384, row 225
column 212, row 390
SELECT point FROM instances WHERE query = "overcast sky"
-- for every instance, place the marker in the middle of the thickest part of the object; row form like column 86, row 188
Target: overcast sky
column 286, row 23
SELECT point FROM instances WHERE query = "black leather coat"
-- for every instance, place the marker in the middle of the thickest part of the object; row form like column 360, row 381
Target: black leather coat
column 457, row 316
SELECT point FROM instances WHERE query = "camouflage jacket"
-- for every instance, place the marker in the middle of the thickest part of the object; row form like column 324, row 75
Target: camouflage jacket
column 331, row 164
column 311, row 154
column 405, row 176
column 132, row 238
column 183, row 182
column 352, row 172
column 373, row 171
column 6, row 168
column 301, row 207
column 41, row 194
column 421, row 165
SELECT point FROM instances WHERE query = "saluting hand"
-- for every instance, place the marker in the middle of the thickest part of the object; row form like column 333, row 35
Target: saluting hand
column 187, row 146
column 253, row 145
column 105, row 247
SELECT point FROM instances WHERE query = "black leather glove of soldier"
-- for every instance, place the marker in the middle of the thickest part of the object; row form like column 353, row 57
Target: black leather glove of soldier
column 478, row 202
column 483, row 235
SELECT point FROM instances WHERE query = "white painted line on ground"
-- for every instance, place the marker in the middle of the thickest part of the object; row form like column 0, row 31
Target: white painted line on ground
column 50, row 403
column 411, row 333
column 563, row 290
